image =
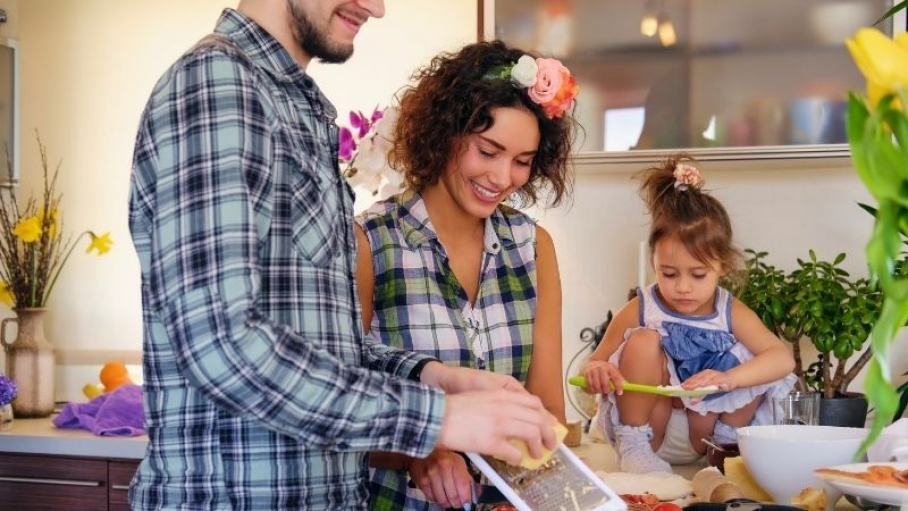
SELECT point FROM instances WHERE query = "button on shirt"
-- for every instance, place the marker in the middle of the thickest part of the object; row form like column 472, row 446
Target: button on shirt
column 256, row 392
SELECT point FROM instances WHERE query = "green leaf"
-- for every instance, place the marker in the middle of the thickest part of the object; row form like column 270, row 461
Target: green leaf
column 895, row 8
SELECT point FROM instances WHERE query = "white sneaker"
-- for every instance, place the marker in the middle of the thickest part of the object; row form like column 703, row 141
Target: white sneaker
column 635, row 455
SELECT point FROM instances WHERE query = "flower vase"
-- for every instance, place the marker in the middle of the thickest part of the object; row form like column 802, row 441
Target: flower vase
column 6, row 417
column 30, row 364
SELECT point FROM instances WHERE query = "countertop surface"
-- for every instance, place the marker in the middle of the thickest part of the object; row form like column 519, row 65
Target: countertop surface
column 40, row 436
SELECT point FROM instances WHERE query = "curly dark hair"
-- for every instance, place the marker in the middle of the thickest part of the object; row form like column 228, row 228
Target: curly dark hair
column 696, row 218
column 453, row 98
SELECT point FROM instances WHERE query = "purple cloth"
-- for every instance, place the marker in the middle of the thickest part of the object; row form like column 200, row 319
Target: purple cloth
column 118, row 413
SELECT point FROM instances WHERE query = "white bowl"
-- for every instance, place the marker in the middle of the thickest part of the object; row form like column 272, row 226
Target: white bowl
column 782, row 458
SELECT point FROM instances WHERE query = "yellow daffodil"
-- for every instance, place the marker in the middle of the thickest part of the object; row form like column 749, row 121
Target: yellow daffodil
column 6, row 295
column 28, row 229
column 882, row 61
column 102, row 243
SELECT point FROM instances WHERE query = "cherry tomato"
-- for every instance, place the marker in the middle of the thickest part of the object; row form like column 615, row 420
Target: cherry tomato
column 505, row 507
column 667, row 506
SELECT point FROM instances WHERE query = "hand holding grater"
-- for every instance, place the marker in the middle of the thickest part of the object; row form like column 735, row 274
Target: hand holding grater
column 563, row 483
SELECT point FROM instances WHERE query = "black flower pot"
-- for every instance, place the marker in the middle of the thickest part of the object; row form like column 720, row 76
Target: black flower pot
column 847, row 410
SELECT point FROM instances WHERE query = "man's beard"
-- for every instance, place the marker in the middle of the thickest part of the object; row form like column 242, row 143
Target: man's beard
column 313, row 41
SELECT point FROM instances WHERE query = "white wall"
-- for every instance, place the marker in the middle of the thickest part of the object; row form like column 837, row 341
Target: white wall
column 87, row 69
column 88, row 66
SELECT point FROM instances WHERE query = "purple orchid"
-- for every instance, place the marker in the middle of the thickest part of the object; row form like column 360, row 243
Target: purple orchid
column 359, row 121
column 377, row 114
column 346, row 144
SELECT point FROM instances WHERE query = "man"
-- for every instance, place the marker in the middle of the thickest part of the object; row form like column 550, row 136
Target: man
column 259, row 391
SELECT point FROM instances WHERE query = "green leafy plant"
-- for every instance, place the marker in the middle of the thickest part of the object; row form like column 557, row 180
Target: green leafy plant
column 877, row 130
column 818, row 301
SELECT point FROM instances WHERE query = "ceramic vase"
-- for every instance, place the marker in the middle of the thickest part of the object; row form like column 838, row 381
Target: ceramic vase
column 6, row 417
column 30, row 363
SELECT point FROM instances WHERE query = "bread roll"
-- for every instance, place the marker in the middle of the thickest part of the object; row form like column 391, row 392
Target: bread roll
column 711, row 486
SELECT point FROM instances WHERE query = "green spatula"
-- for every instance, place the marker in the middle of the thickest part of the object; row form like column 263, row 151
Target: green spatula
column 580, row 381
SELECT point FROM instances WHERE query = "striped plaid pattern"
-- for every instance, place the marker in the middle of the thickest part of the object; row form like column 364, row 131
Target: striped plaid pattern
column 255, row 392
column 420, row 305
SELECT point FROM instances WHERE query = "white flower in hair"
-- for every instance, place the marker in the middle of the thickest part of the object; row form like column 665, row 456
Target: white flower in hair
column 524, row 71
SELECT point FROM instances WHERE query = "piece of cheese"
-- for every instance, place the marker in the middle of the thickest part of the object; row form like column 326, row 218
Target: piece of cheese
column 737, row 472
column 527, row 461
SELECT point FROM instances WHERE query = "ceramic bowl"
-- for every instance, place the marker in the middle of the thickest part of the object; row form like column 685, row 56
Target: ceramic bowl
column 782, row 458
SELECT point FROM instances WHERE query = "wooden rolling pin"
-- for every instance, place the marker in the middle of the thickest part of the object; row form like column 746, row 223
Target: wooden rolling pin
column 711, row 486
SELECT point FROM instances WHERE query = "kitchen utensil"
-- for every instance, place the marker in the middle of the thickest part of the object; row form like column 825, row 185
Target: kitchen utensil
column 662, row 390
column 708, row 441
column 562, row 482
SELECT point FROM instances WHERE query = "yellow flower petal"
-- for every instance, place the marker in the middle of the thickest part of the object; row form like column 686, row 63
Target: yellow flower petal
column 102, row 243
column 883, row 61
column 29, row 229
column 6, row 296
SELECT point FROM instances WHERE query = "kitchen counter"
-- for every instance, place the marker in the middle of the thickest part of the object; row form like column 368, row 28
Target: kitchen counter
column 40, row 436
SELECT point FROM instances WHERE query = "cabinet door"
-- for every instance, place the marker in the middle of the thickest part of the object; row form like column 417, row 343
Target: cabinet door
column 50, row 483
column 119, row 475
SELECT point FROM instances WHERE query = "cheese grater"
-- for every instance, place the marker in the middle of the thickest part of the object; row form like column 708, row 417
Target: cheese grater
column 563, row 483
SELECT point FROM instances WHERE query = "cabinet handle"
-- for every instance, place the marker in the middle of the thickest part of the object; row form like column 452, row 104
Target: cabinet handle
column 58, row 482
column 123, row 487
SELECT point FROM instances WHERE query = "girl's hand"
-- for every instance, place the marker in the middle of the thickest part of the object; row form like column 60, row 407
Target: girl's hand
column 443, row 477
column 598, row 374
column 706, row 378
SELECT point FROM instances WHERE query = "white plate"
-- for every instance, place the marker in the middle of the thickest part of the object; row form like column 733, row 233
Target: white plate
column 877, row 493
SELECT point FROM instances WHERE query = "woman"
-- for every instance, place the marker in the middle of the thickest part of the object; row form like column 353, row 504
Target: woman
column 445, row 268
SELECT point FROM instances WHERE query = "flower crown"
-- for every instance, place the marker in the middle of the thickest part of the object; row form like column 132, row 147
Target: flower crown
column 548, row 82
column 686, row 176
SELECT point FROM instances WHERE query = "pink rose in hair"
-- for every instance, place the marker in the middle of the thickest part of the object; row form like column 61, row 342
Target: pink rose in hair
column 548, row 80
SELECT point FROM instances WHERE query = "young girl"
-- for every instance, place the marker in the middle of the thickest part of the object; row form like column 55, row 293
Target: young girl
column 446, row 268
column 686, row 330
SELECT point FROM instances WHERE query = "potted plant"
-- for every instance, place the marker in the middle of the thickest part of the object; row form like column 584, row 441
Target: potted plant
column 818, row 301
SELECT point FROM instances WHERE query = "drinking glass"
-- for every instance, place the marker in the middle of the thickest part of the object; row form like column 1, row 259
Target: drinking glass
column 797, row 408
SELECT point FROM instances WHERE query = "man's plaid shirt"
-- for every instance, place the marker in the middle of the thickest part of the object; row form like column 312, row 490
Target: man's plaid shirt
column 256, row 392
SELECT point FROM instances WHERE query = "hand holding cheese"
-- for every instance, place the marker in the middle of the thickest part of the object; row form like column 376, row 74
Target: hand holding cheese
column 484, row 422
column 529, row 462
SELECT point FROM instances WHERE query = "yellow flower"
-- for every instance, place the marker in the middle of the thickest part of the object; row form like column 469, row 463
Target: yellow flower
column 6, row 296
column 102, row 243
column 883, row 61
column 29, row 229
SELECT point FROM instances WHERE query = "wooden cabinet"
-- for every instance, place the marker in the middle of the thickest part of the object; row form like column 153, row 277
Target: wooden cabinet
column 33, row 482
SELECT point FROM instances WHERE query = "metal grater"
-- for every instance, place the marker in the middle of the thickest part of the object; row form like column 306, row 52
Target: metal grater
column 563, row 483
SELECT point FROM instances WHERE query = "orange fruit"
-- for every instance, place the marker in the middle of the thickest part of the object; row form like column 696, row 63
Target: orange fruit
column 114, row 374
